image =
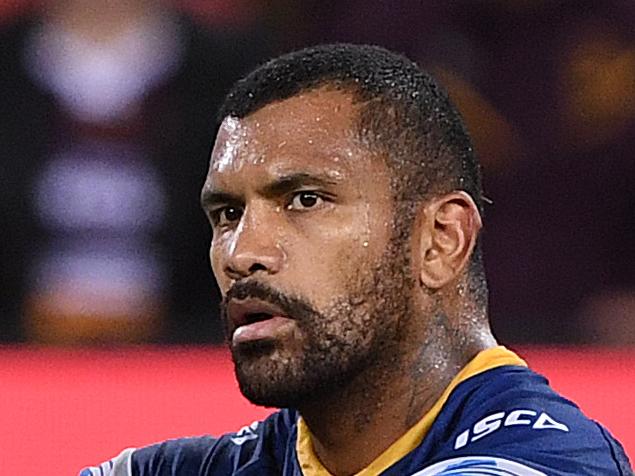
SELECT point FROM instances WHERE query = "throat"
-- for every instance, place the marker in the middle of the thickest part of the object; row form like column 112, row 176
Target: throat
column 349, row 432
column 394, row 408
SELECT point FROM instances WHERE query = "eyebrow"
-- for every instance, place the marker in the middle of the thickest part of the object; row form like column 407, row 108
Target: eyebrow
column 209, row 198
column 289, row 183
column 280, row 186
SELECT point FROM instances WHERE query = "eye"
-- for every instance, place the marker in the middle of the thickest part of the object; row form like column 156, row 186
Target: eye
column 305, row 200
column 226, row 215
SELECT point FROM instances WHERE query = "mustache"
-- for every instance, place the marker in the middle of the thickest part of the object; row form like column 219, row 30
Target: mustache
column 292, row 306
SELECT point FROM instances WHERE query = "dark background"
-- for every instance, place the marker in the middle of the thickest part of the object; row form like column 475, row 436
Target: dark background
column 547, row 89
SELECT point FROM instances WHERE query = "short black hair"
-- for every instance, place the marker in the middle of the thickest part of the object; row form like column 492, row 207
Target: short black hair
column 403, row 113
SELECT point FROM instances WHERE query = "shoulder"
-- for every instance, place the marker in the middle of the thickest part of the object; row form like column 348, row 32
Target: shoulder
column 259, row 444
column 510, row 416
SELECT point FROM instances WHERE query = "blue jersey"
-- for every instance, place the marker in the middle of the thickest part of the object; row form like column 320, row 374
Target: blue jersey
column 497, row 417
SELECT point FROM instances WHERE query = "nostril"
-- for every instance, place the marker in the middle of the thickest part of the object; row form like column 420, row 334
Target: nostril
column 257, row 267
column 239, row 269
column 232, row 273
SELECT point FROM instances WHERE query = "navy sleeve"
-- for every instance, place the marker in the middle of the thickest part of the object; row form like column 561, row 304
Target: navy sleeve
column 171, row 457
column 257, row 449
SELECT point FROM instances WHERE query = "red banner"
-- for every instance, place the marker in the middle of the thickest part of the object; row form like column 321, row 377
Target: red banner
column 64, row 409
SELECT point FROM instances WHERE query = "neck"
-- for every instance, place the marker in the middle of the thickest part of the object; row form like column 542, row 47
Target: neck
column 386, row 401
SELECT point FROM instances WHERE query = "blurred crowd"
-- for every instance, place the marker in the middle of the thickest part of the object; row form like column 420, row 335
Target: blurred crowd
column 108, row 116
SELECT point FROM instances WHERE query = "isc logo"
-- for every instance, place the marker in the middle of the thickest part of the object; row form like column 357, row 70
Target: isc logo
column 493, row 422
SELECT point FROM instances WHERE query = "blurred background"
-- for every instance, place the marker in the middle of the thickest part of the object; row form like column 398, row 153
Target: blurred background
column 107, row 120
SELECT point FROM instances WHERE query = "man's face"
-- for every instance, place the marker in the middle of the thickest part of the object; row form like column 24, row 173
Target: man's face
column 314, row 280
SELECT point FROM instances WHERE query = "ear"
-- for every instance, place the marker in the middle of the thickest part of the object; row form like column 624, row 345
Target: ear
column 449, row 229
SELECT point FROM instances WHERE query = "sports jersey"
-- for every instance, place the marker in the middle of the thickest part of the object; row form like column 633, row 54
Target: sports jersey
column 496, row 417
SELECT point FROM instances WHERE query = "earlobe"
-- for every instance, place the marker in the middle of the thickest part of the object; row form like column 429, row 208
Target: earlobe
column 450, row 226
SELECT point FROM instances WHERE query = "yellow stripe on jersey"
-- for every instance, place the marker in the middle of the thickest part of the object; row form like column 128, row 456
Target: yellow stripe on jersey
column 485, row 360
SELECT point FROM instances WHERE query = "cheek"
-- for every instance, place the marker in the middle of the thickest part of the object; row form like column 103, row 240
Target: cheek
column 216, row 261
column 346, row 247
column 327, row 268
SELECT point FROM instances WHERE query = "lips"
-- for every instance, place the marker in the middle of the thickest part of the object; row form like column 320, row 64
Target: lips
column 254, row 319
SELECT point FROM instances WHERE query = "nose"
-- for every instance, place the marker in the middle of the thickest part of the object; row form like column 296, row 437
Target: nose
column 254, row 248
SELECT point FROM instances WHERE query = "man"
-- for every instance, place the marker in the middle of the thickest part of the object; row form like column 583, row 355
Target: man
column 345, row 202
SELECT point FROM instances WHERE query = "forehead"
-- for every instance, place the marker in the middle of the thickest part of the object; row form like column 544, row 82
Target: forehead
column 317, row 111
column 310, row 129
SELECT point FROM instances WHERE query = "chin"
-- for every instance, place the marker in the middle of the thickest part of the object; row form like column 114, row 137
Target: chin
column 269, row 379
column 264, row 391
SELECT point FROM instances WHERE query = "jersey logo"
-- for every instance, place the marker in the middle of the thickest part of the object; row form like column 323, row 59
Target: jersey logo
column 481, row 465
column 496, row 421
column 246, row 433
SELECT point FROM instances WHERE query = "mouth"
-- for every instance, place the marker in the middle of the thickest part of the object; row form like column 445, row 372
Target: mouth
column 254, row 319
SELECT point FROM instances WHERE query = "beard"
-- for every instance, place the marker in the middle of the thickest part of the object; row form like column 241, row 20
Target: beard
column 358, row 331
